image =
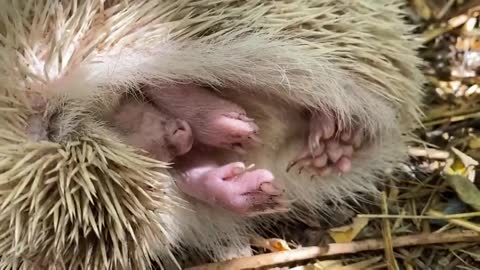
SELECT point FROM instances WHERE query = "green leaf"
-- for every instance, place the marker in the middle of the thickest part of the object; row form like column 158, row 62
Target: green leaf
column 465, row 189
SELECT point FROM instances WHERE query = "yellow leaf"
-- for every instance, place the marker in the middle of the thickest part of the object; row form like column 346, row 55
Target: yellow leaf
column 457, row 168
column 462, row 165
column 346, row 234
column 278, row 245
column 466, row 159
column 422, row 9
column 474, row 143
column 272, row 244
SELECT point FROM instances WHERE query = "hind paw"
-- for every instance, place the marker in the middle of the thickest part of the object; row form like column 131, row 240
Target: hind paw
column 237, row 189
column 329, row 148
column 231, row 130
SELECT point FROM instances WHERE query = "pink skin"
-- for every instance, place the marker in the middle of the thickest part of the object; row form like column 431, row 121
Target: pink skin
column 215, row 121
column 145, row 127
column 36, row 124
column 329, row 149
column 231, row 187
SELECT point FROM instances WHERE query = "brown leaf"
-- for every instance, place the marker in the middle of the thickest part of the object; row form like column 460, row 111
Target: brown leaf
column 346, row 234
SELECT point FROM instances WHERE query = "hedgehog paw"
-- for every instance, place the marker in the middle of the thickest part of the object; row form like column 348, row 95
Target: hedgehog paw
column 232, row 187
column 329, row 149
column 232, row 130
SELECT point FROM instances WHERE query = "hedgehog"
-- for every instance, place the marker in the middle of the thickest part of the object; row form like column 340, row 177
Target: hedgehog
column 331, row 89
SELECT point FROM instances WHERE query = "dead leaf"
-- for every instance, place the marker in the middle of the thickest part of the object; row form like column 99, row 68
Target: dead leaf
column 346, row 234
column 474, row 143
column 466, row 159
column 422, row 9
column 272, row 244
column 463, row 165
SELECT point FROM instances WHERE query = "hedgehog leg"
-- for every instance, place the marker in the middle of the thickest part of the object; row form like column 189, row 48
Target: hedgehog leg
column 215, row 121
column 329, row 148
column 234, row 188
column 144, row 126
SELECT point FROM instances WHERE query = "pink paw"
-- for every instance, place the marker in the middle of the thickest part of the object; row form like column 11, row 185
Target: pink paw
column 329, row 149
column 232, row 130
column 215, row 121
column 236, row 189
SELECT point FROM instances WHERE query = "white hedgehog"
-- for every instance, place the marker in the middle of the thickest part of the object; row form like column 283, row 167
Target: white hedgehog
column 332, row 85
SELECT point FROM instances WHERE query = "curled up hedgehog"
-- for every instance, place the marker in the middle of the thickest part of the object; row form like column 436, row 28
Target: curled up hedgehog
column 127, row 128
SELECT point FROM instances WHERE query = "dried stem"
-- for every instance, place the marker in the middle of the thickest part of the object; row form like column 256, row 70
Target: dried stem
column 336, row 249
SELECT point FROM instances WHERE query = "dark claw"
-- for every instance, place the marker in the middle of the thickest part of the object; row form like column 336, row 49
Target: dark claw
column 291, row 164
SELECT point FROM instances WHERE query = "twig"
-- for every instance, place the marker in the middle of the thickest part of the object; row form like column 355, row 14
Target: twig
column 336, row 249
column 452, row 216
column 428, row 152
column 462, row 223
column 475, row 123
column 468, row 8
column 387, row 237
column 445, row 9
column 452, row 119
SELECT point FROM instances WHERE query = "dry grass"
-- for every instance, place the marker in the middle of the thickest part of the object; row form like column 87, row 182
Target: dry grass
column 429, row 213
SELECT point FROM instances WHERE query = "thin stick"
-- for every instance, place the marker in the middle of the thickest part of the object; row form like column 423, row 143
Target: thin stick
column 459, row 222
column 428, row 152
column 336, row 249
column 452, row 216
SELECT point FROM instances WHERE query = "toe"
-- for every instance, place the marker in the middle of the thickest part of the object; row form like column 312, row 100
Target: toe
column 346, row 136
column 320, row 161
column 236, row 128
column 230, row 171
column 251, row 181
column 344, row 165
column 328, row 127
column 334, row 151
column 357, row 138
column 348, row 151
column 270, row 188
column 324, row 171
